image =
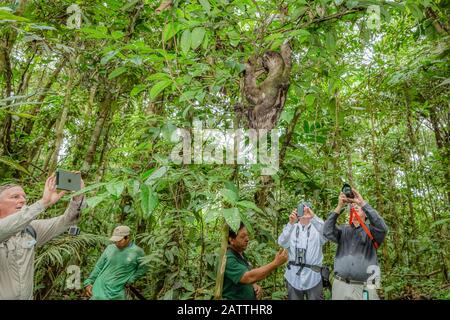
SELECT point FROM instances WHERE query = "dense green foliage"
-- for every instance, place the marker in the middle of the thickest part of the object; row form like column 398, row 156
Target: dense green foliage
column 365, row 105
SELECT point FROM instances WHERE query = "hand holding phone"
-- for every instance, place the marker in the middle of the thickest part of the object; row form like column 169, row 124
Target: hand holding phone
column 67, row 180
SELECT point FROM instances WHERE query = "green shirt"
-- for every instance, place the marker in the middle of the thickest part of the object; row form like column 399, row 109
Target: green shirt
column 234, row 270
column 115, row 268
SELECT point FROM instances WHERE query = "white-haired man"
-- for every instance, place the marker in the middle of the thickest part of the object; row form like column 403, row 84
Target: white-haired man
column 21, row 232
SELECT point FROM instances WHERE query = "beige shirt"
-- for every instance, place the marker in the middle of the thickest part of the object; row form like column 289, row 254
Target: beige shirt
column 17, row 247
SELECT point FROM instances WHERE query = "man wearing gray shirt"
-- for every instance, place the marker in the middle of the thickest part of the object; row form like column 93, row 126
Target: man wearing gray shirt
column 356, row 255
column 21, row 232
column 303, row 236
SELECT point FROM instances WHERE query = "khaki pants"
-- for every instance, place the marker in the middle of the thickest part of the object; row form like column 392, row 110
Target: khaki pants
column 349, row 291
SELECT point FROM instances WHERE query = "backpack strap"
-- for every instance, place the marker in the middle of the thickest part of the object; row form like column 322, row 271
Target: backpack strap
column 31, row 231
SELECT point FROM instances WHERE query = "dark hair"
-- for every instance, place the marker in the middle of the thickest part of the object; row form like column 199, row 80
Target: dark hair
column 232, row 234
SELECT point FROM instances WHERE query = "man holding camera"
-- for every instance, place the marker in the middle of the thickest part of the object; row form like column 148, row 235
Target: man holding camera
column 239, row 282
column 118, row 266
column 303, row 236
column 356, row 255
column 21, row 232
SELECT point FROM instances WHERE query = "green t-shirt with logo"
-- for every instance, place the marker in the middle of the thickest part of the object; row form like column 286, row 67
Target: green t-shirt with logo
column 116, row 268
column 235, row 268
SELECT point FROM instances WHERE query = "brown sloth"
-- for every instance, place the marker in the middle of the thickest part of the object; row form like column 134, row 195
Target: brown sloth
column 267, row 99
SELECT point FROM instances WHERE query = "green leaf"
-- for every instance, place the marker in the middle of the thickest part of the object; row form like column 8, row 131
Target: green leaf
column 97, row 32
column 212, row 215
column 11, row 163
column 246, row 222
column 156, row 175
column 331, row 42
column 229, row 196
column 205, row 4
column 443, row 83
column 186, row 41
column 87, row 189
column 309, row 100
column 439, row 222
column 159, row 87
column 117, row 72
column 301, row 35
column 138, row 89
column 234, row 37
column 232, row 218
column 115, row 188
column 158, row 76
column 117, row 35
column 108, row 56
column 94, row 201
column 274, row 36
column 249, row 205
column 231, row 186
column 149, row 200
column 197, row 37
column 170, row 30
column 41, row 27
column 5, row 15
column 22, row 115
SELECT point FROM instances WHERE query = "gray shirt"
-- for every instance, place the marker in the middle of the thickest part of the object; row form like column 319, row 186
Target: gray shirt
column 17, row 247
column 355, row 251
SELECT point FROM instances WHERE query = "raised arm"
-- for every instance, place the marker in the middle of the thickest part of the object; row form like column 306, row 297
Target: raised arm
column 18, row 221
column 377, row 226
column 47, row 229
column 330, row 230
column 285, row 236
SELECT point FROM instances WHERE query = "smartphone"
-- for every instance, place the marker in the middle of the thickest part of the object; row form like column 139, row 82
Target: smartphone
column 301, row 208
column 67, row 180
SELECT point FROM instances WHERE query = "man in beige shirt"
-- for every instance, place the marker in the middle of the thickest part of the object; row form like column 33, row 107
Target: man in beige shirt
column 21, row 232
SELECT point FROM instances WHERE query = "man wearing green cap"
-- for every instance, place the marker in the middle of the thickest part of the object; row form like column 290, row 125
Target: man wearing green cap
column 117, row 267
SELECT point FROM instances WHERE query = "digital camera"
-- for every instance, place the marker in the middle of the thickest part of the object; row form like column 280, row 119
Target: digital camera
column 347, row 190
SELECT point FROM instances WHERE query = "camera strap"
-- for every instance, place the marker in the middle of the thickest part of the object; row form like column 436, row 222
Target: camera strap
column 353, row 213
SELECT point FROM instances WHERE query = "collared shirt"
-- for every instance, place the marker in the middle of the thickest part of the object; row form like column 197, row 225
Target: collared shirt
column 295, row 237
column 17, row 247
column 114, row 269
column 235, row 268
column 355, row 252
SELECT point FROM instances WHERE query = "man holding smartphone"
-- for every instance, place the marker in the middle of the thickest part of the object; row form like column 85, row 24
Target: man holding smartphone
column 303, row 237
column 21, row 232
